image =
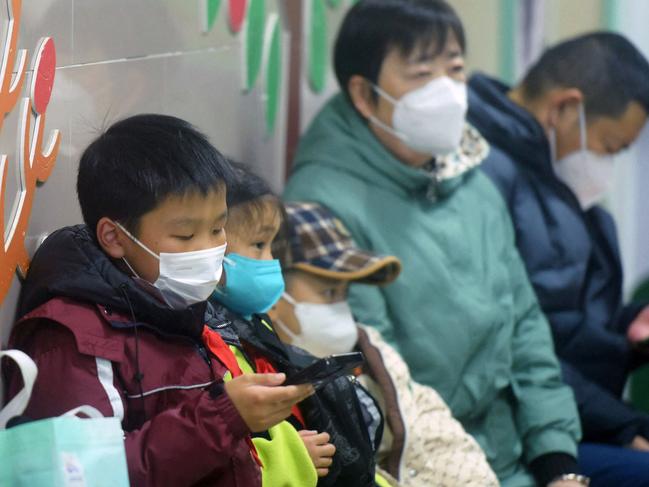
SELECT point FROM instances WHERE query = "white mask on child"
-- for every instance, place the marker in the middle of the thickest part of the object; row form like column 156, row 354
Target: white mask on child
column 185, row 278
column 429, row 119
column 326, row 328
column 589, row 175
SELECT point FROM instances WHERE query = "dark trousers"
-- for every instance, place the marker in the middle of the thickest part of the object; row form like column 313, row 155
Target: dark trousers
column 614, row 466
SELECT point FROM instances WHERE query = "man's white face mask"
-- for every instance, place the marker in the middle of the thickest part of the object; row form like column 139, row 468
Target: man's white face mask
column 588, row 175
column 430, row 119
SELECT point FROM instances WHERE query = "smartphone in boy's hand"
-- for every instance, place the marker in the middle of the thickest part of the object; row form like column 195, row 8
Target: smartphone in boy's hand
column 326, row 369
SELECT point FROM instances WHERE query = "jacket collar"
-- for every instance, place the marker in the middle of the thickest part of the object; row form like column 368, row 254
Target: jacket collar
column 259, row 333
column 341, row 139
column 447, row 172
column 507, row 125
column 70, row 264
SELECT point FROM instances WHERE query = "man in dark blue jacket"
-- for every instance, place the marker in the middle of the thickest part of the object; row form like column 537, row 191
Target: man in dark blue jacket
column 553, row 138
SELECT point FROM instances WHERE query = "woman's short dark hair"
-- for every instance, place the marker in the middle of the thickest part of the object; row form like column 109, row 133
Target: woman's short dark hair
column 373, row 27
column 141, row 160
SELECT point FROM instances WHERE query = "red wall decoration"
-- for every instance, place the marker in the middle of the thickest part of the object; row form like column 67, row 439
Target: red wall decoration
column 236, row 13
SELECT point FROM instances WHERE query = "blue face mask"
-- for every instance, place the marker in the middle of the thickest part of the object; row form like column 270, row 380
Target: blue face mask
column 252, row 285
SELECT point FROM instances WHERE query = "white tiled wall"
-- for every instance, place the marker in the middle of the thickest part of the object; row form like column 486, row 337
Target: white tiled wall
column 628, row 200
column 116, row 58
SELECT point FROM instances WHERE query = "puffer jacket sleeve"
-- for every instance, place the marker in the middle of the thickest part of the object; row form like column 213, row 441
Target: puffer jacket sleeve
column 177, row 447
column 546, row 412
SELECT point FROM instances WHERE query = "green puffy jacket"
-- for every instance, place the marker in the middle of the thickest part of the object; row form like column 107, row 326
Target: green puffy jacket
column 462, row 313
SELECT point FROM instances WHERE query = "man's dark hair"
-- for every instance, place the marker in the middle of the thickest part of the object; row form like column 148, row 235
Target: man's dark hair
column 372, row 28
column 141, row 160
column 606, row 67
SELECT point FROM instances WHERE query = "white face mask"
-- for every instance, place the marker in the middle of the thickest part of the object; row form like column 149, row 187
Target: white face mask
column 185, row 278
column 589, row 175
column 429, row 119
column 327, row 329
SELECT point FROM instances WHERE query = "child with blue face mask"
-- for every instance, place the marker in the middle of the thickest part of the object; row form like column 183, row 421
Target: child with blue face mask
column 252, row 280
column 252, row 283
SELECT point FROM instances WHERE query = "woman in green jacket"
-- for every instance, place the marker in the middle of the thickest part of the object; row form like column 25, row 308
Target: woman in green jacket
column 392, row 157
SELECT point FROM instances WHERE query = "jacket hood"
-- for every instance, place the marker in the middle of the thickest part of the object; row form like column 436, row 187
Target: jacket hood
column 70, row 264
column 340, row 139
column 506, row 125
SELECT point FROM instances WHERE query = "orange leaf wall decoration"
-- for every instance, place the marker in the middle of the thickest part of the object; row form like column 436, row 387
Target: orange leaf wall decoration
column 34, row 163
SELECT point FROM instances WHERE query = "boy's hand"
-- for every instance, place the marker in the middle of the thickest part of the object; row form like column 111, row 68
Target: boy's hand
column 261, row 400
column 320, row 450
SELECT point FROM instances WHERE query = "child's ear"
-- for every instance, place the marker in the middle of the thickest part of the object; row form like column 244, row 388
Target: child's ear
column 110, row 238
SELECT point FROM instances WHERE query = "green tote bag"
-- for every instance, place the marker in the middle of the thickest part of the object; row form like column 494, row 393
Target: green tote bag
column 66, row 451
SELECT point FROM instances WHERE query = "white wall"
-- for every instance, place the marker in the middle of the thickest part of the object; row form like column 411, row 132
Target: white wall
column 116, row 58
column 628, row 201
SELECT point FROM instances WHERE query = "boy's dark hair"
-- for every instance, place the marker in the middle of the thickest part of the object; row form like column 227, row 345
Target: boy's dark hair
column 606, row 67
column 249, row 195
column 372, row 27
column 141, row 160
column 246, row 187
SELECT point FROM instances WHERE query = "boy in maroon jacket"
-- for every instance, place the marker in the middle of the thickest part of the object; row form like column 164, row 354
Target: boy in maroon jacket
column 113, row 311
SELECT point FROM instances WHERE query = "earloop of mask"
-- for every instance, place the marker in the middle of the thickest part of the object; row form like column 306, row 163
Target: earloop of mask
column 552, row 140
column 385, row 126
column 130, row 268
column 582, row 126
column 136, row 240
column 382, row 93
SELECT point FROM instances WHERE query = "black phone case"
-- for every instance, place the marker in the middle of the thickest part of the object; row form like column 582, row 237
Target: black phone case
column 326, row 369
